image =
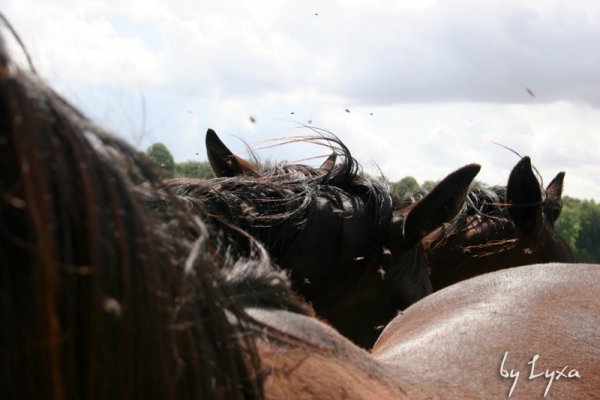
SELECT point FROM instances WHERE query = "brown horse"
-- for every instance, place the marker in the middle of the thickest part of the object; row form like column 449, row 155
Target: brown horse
column 100, row 298
column 500, row 227
column 528, row 332
column 350, row 253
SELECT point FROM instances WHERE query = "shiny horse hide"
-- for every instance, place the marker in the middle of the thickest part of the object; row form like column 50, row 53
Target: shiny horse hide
column 529, row 332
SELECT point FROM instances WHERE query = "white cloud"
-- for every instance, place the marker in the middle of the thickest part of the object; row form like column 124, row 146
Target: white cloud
column 443, row 80
column 472, row 52
column 76, row 47
column 429, row 141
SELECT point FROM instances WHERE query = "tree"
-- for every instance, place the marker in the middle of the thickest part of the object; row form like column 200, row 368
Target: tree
column 193, row 169
column 428, row 185
column 589, row 235
column 568, row 224
column 579, row 225
column 160, row 155
column 405, row 187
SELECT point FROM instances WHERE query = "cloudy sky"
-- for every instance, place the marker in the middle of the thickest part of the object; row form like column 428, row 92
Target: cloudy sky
column 430, row 85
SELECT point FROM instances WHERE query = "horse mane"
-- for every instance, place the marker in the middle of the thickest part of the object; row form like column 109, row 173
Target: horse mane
column 275, row 206
column 258, row 284
column 247, row 268
column 486, row 202
column 345, row 171
column 101, row 297
column 483, row 205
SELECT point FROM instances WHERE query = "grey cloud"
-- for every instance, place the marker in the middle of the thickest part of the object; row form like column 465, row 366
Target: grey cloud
column 475, row 54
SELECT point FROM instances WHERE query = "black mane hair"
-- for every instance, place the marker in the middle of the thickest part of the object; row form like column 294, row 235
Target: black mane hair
column 276, row 205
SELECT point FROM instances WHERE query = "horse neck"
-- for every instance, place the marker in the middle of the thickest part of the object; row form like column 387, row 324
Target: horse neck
column 552, row 247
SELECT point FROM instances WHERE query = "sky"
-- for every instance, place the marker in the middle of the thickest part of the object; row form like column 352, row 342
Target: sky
column 413, row 88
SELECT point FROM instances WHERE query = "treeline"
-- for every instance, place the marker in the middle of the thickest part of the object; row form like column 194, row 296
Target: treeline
column 162, row 158
column 578, row 224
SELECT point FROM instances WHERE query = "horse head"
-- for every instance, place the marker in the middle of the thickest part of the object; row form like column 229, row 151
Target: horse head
column 500, row 228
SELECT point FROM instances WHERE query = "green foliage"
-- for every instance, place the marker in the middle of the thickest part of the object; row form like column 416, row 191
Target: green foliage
column 428, row 185
column 568, row 224
column 162, row 158
column 579, row 225
column 588, row 241
column 193, row 169
column 405, row 187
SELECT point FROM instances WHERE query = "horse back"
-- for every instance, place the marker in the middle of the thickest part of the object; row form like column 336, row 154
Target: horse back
column 539, row 322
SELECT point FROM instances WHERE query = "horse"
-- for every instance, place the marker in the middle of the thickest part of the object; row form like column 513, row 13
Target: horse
column 524, row 333
column 350, row 252
column 500, row 227
column 97, row 298
column 102, row 298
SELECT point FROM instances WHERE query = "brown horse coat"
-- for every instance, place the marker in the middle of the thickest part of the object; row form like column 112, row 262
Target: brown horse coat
column 541, row 319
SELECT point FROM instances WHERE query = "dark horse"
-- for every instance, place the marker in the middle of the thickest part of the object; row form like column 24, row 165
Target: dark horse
column 500, row 227
column 354, row 256
column 102, row 298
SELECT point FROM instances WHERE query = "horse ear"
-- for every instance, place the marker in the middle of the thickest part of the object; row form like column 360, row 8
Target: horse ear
column 329, row 163
column 553, row 203
column 223, row 162
column 524, row 197
column 554, row 189
column 440, row 205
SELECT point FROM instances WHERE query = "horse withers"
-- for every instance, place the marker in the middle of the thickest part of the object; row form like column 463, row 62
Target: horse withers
column 500, row 227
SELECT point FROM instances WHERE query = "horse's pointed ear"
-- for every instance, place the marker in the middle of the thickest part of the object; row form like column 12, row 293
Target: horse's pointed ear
column 555, row 188
column 440, row 205
column 553, row 203
column 524, row 197
column 223, row 162
column 329, row 163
